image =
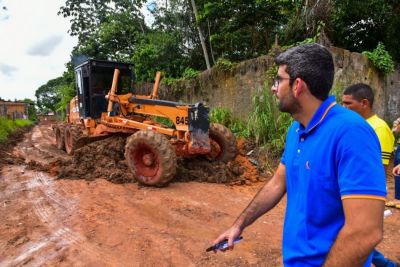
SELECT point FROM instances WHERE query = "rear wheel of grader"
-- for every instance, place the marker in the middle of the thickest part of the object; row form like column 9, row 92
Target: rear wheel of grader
column 151, row 157
column 223, row 143
column 71, row 136
column 60, row 142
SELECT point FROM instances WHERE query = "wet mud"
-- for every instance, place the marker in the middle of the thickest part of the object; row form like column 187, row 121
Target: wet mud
column 104, row 159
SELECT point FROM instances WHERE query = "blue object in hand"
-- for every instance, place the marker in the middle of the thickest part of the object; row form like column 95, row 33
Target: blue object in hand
column 223, row 244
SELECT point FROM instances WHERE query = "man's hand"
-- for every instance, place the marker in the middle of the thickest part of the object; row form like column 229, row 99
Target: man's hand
column 230, row 234
column 396, row 126
column 396, row 170
column 266, row 199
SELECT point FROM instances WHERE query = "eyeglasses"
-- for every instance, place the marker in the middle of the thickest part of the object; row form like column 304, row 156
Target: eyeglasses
column 277, row 80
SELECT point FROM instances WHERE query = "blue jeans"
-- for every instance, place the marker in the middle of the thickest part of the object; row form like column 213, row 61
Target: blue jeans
column 380, row 261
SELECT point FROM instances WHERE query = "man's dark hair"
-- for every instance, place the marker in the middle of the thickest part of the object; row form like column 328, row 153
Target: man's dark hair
column 313, row 63
column 360, row 91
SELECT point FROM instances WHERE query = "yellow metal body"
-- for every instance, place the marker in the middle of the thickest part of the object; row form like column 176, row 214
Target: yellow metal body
column 130, row 120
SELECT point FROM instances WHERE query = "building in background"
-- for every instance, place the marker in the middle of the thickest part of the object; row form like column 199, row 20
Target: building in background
column 13, row 110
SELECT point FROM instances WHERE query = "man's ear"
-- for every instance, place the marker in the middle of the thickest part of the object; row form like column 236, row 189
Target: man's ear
column 298, row 87
column 365, row 103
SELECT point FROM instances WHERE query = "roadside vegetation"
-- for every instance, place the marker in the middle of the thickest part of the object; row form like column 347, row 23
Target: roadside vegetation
column 7, row 127
column 118, row 30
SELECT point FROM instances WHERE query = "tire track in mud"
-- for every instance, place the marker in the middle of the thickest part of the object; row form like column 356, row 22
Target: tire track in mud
column 52, row 209
column 49, row 207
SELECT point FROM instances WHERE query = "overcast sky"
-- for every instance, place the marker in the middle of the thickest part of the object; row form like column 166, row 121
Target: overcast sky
column 34, row 46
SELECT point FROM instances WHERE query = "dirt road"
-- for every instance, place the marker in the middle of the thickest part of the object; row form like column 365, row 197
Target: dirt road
column 47, row 221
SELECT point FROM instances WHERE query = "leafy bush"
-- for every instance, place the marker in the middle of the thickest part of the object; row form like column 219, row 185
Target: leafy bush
column 190, row 73
column 7, row 127
column 224, row 116
column 381, row 59
column 225, row 64
column 267, row 124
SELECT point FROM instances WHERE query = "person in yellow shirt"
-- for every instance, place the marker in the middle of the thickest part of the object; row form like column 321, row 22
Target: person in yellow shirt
column 360, row 98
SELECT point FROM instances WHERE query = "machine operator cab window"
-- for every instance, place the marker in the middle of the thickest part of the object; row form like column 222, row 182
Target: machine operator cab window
column 94, row 80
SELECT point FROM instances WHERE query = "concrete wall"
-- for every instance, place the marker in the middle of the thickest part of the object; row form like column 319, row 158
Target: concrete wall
column 235, row 88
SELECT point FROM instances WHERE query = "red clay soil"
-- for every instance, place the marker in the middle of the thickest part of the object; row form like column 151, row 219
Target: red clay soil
column 85, row 221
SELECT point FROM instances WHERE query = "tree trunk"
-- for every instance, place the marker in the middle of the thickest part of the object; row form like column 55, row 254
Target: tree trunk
column 203, row 45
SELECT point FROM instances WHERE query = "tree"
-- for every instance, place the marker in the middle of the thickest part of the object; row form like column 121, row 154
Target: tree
column 159, row 51
column 243, row 29
column 106, row 29
column 202, row 42
column 47, row 96
column 55, row 94
column 32, row 113
column 360, row 25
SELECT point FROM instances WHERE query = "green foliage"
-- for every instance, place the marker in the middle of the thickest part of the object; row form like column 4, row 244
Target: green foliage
column 240, row 30
column 190, row 73
column 381, row 59
column 337, row 91
column 169, row 81
column 224, row 116
column 47, row 96
column 55, row 94
column 164, row 121
column 359, row 25
column 32, row 113
column 159, row 51
column 225, row 64
column 267, row 124
column 66, row 93
column 7, row 127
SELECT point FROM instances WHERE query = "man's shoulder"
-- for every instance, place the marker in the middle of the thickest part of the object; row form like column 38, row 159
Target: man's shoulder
column 343, row 124
column 344, row 117
column 377, row 122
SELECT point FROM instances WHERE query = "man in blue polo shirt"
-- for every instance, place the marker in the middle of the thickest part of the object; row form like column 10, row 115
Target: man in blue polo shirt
column 335, row 194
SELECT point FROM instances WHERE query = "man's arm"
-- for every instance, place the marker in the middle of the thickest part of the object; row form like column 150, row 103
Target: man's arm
column 361, row 232
column 266, row 199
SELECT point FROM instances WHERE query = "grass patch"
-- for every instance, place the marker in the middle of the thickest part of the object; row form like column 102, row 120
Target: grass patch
column 266, row 124
column 224, row 116
column 7, row 127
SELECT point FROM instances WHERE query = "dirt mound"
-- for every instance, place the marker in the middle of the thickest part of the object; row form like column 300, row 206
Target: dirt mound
column 6, row 148
column 101, row 159
column 105, row 159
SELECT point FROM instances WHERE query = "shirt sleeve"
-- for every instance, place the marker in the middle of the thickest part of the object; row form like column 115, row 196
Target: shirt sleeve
column 359, row 165
column 386, row 140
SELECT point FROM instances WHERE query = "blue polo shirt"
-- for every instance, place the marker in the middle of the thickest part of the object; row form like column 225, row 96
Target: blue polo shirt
column 336, row 157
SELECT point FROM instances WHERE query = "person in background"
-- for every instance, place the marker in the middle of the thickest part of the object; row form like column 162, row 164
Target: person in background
column 360, row 98
column 396, row 163
column 335, row 194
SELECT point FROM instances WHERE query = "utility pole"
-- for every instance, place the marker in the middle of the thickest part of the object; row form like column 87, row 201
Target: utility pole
column 203, row 45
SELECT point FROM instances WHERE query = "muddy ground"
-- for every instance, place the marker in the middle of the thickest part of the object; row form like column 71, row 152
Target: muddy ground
column 86, row 210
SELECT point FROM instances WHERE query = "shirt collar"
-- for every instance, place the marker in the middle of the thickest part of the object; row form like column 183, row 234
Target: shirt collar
column 319, row 115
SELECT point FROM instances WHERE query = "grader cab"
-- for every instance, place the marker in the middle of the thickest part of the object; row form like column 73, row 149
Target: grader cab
column 152, row 148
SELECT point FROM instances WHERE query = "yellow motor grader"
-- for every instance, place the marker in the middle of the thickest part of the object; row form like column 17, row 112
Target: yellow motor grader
column 152, row 148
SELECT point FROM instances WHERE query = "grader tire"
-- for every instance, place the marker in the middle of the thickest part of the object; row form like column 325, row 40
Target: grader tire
column 71, row 135
column 151, row 158
column 223, row 143
column 59, row 132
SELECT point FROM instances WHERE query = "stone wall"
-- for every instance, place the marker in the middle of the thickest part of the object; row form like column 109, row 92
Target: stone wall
column 235, row 88
column 353, row 68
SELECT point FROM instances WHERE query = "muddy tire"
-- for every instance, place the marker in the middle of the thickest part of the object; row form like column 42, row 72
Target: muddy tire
column 223, row 143
column 71, row 135
column 59, row 132
column 151, row 158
